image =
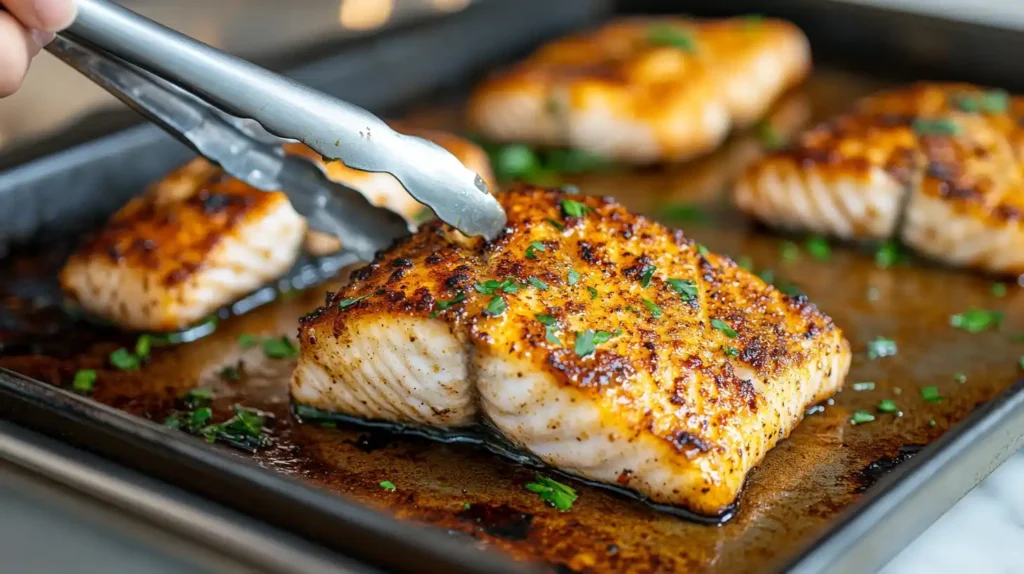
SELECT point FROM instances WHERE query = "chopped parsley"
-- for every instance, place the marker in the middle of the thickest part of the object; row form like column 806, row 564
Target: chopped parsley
column 84, row 381
column 280, row 348
column 976, row 320
column 681, row 212
column 125, row 360
column 702, row 249
column 245, row 430
column 645, row 279
column 587, row 341
column 573, row 208
column 556, row 224
column 535, row 246
column 198, row 397
column 1020, row 362
column 247, row 341
column 999, row 289
column 992, row 102
column 665, row 35
column 731, row 352
column 143, row 346
column 865, row 386
column 889, row 254
column 789, row 251
column 346, row 303
column 496, row 307
column 491, row 286
column 819, row 249
column 515, row 161
column 686, row 288
column 442, row 305
column 931, row 394
column 888, row 406
column 932, row 423
column 960, row 378
column 770, row 138
column 574, row 277
column 537, row 283
column 388, row 485
column 593, row 293
column 656, row 311
column 232, row 373
column 861, row 417
column 554, row 493
column 724, row 328
column 935, row 127
column 881, row 347
column 550, row 328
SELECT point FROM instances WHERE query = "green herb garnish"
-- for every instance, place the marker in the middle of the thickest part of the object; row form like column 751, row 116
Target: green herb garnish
column 587, row 341
column 346, row 303
column 993, row 102
column 143, row 346
column 1020, row 362
column 537, row 283
column 888, row 255
column 664, row 35
column 442, row 305
column 888, row 406
column 496, row 307
column 999, row 289
column 573, row 208
column 535, row 246
column 593, row 293
column 931, row 394
column 861, row 417
column 724, row 328
column 645, row 279
column 865, row 386
column 656, row 311
column 198, row 397
column 124, row 360
column 976, row 320
column 702, row 249
column 388, row 485
column 550, row 327
column 554, row 493
column 681, row 212
column 574, row 277
column 247, row 341
column 490, row 287
column 789, row 251
column 84, row 381
column 935, row 127
column 770, row 138
column 556, row 224
column 732, row 351
column 686, row 288
column 515, row 161
column 280, row 348
column 745, row 262
column 232, row 373
column 881, row 347
column 819, row 249
column 960, row 378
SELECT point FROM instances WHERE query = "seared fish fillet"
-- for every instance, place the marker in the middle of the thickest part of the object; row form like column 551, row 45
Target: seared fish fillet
column 200, row 239
column 613, row 348
column 644, row 90
column 194, row 242
column 937, row 165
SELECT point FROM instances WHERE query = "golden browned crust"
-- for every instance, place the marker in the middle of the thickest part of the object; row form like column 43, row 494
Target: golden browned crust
column 655, row 330
column 644, row 89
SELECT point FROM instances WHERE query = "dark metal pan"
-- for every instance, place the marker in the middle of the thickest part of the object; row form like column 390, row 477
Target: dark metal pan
column 833, row 495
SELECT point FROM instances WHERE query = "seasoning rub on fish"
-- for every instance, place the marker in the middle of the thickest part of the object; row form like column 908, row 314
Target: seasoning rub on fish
column 938, row 166
column 644, row 90
column 604, row 343
column 199, row 239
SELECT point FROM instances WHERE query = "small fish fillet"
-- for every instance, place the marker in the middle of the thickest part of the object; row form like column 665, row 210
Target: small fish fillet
column 621, row 93
column 194, row 242
column 939, row 166
column 670, row 402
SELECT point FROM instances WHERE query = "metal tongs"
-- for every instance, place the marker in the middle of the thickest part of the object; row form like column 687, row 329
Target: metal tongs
column 223, row 107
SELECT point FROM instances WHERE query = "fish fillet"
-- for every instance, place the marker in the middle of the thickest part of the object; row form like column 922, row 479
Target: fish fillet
column 200, row 239
column 644, row 90
column 939, row 166
column 603, row 343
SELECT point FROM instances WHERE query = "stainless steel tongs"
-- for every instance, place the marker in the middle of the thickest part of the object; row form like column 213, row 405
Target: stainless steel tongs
column 219, row 105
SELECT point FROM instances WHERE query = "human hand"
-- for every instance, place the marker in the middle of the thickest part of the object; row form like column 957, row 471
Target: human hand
column 25, row 27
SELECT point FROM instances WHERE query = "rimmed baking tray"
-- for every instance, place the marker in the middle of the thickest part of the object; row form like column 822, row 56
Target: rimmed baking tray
column 834, row 496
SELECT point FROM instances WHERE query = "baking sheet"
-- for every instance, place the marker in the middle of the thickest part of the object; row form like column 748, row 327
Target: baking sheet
column 804, row 507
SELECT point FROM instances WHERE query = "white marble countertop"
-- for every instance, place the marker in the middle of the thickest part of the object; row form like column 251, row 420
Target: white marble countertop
column 984, row 532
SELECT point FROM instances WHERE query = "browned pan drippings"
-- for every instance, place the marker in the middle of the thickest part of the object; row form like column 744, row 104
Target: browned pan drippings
column 798, row 490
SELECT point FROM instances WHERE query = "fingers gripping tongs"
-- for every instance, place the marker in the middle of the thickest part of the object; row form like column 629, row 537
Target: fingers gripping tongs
column 212, row 101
